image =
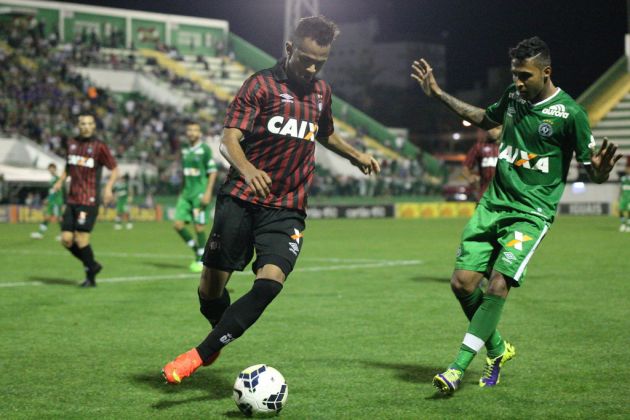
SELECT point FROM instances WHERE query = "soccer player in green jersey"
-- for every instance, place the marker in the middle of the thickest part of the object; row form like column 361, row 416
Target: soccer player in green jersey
column 124, row 197
column 542, row 128
column 624, row 201
column 193, row 204
column 54, row 202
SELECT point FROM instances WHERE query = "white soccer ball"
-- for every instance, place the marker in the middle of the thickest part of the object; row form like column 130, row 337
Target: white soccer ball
column 260, row 390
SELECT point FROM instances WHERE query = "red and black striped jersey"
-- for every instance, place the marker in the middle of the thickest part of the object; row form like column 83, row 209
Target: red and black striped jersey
column 482, row 158
column 280, row 123
column 84, row 162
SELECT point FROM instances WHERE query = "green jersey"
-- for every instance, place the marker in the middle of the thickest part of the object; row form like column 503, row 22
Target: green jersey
column 625, row 186
column 537, row 145
column 54, row 197
column 197, row 164
column 121, row 190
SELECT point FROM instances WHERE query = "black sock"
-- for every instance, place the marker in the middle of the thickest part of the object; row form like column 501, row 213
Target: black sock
column 74, row 249
column 213, row 309
column 87, row 256
column 239, row 317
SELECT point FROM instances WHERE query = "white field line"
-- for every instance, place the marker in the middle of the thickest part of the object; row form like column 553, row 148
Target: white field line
column 178, row 256
column 379, row 264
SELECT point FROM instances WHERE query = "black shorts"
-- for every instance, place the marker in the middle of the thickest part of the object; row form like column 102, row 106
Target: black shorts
column 240, row 227
column 78, row 217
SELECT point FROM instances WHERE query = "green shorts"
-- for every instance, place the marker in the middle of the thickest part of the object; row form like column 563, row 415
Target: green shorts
column 190, row 210
column 53, row 209
column 503, row 240
column 122, row 206
column 624, row 203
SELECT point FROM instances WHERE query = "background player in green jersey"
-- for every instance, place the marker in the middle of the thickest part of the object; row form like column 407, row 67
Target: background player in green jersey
column 193, row 204
column 124, row 198
column 624, row 201
column 542, row 128
column 54, row 202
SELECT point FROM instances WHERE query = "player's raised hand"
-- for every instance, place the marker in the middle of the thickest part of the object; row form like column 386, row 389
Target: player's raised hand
column 258, row 181
column 423, row 73
column 604, row 160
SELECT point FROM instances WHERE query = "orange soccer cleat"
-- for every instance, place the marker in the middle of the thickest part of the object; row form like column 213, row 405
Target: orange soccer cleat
column 185, row 365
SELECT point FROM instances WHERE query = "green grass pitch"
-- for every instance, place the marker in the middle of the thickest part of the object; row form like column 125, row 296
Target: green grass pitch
column 359, row 330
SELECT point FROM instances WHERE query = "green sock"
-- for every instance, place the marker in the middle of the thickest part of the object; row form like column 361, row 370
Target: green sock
column 470, row 304
column 481, row 327
column 187, row 237
column 201, row 243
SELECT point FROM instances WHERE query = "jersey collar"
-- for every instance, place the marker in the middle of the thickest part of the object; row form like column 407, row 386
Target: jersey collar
column 558, row 90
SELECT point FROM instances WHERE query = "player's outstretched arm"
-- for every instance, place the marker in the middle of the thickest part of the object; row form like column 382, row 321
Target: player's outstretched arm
column 602, row 162
column 364, row 161
column 423, row 74
column 231, row 149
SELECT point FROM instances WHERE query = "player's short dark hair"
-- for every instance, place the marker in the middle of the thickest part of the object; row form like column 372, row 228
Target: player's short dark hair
column 533, row 47
column 321, row 29
column 86, row 114
column 191, row 122
column 52, row 165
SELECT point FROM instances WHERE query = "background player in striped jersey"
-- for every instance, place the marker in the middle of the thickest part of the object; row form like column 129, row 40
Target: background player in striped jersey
column 54, row 203
column 481, row 161
column 269, row 139
column 86, row 156
column 193, row 204
column 543, row 127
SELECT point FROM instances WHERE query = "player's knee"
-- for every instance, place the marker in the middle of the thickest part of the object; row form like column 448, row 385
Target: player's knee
column 499, row 285
column 462, row 284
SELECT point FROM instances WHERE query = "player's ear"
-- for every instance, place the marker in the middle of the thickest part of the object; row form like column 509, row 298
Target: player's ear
column 546, row 73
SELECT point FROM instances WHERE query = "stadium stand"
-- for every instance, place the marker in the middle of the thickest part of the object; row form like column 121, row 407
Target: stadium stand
column 49, row 81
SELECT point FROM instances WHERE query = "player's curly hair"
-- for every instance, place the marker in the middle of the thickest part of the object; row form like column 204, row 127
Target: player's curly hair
column 321, row 29
column 533, row 47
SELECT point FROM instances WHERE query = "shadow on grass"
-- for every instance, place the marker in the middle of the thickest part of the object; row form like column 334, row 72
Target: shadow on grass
column 445, row 279
column 233, row 413
column 408, row 372
column 213, row 384
column 166, row 265
column 56, row 281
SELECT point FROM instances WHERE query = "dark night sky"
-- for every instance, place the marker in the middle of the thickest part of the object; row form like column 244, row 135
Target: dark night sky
column 585, row 36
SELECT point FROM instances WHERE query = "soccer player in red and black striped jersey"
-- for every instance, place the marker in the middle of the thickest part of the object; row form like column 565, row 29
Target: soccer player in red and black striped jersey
column 269, row 139
column 481, row 161
column 85, row 159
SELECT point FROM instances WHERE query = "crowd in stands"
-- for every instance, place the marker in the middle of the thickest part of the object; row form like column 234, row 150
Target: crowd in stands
column 42, row 96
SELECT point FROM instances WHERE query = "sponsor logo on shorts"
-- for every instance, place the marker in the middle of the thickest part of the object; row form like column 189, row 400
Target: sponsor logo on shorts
column 508, row 257
column 519, row 238
column 214, row 242
column 294, row 247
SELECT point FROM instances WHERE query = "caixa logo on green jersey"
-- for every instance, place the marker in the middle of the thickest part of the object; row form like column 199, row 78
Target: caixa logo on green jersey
column 522, row 158
column 77, row 160
column 291, row 127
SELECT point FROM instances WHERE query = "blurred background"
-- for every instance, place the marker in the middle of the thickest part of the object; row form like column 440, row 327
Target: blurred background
column 144, row 67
